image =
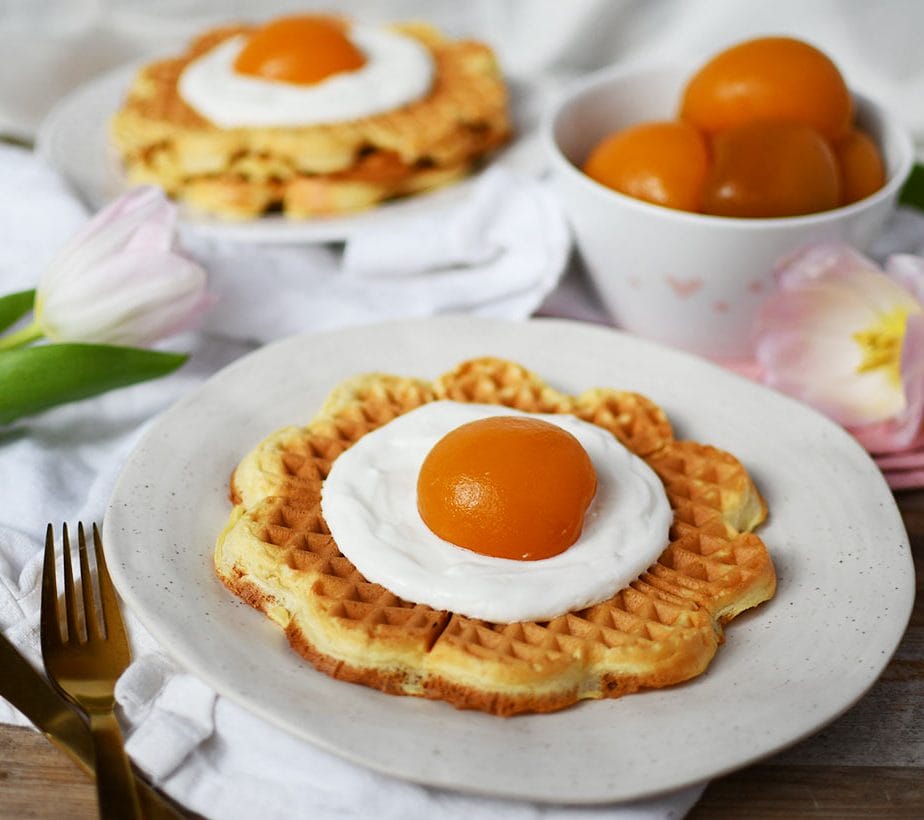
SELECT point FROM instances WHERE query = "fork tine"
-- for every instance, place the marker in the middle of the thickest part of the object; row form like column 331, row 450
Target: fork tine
column 51, row 621
column 115, row 630
column 90, row 617
column 70, row 605
column 86, row 671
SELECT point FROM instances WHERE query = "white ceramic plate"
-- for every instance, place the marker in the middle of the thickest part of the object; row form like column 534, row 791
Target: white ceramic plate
column 846, row 580
column 74, row 140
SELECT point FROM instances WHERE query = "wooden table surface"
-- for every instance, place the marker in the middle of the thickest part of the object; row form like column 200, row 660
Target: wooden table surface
column 869, row 763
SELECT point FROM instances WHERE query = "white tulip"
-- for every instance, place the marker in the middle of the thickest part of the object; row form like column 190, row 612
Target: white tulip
column 118, row 280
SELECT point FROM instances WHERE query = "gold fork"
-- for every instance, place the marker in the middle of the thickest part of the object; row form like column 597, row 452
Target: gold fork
column 85, row 668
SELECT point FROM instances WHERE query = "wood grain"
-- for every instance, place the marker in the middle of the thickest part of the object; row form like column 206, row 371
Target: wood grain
column 38, row 781
column 869, row 763
column 837, row 792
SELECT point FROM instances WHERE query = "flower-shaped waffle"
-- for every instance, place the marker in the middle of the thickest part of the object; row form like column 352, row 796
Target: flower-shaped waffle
column 277, row 554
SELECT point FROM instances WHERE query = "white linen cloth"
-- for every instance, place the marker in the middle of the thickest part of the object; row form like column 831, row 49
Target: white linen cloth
column 210, row 755
column 495, row 253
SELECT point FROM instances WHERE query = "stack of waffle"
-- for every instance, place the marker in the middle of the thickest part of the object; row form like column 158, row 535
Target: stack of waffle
column 241, row 173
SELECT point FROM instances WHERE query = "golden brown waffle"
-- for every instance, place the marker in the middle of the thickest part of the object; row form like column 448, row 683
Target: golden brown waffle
column 278, row 555
column 240, row 173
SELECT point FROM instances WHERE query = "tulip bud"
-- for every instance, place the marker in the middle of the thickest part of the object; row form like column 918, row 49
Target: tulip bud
column 118, row 281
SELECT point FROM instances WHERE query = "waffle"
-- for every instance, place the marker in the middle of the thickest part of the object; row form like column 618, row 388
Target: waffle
column 277, row 554
column 240, row 173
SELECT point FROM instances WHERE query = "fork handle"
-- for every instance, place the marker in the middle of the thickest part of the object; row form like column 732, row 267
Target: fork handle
column 115, row 783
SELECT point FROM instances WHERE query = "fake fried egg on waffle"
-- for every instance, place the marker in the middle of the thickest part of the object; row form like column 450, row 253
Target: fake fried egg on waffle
column 307, row 70
column 494, row 513
column 312, row 116
column 486, row 540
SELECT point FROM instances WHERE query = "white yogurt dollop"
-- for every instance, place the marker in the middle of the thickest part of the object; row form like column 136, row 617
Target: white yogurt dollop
column 369, row 501
column 398, row 70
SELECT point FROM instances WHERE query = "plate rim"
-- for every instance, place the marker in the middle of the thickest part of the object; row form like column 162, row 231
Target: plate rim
column 251, row 360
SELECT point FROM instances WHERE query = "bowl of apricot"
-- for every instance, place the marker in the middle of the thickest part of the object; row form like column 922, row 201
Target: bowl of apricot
column 684, row 187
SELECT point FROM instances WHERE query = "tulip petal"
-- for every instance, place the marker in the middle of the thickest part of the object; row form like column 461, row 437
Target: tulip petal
column 819, row 261
column 133, row 207
column 134, row 298
column 156, row 233
column 117, row 281
column 105, row 234
column 882, row 293
column 908, row 271
column 806, row 347
column 822, row 372
column 829, row 335
column 905, row 430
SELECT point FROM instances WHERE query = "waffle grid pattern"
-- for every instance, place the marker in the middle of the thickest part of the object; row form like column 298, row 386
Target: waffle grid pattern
column 661, row 629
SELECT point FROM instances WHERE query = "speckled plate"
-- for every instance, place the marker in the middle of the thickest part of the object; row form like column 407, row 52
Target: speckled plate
column 846, row 580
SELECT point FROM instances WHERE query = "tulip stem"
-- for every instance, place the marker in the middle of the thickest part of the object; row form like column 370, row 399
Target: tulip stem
column 21, row 337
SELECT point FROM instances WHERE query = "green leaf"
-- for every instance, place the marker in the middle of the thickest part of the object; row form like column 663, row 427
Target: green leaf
column 33, row 379
column 14, row 306
column 913, row 191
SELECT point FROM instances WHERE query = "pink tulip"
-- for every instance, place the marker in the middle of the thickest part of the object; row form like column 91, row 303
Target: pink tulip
column 848, row 338
column 118, row 281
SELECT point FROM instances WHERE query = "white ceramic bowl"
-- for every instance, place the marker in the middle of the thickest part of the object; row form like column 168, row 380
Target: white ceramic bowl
column 690, row 280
